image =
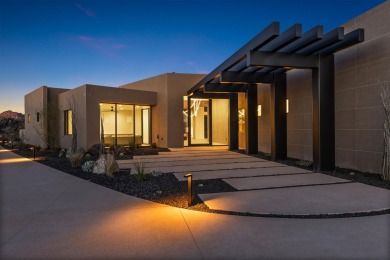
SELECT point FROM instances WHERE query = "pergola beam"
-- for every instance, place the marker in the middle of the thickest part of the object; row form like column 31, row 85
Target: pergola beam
column 331, row 37
column 281, row 60
column 284, row 39
column 245, row 77
column 350, row 39
column 311, row 36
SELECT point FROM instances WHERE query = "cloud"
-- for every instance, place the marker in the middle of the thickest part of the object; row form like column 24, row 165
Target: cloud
column 86, row 11
column 104, row 46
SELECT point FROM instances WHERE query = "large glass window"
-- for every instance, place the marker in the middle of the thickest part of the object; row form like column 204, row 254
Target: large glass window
column 68, row 122
column 127, row 125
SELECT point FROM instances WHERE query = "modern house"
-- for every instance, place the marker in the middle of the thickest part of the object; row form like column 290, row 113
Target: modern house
column 310, row 95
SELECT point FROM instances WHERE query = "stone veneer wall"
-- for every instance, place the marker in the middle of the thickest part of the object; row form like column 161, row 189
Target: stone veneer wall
column 359, row 116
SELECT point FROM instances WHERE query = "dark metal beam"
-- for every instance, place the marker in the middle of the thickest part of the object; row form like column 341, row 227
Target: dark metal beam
column 245, row 77
column 239, row 66
column 251, row 120
column 278, row 118
column 280, row 60
column 225, row 88
column 284, row 39
column 323, row 115
column 233, row 122
column 259, row 40
column 308, row 38
column 350, row 39
column 331, row 37
column 201, row 94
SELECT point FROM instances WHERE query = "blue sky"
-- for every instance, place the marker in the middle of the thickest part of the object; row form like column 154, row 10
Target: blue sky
column 65, row 44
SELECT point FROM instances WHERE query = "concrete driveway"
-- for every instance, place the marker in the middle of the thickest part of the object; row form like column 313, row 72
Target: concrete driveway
column 47, row 214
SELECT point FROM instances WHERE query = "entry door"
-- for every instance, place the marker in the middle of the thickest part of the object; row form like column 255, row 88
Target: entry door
column 200, row 121
column 146, row 126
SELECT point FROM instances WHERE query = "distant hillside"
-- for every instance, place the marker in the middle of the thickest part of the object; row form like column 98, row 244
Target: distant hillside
column 11, row 114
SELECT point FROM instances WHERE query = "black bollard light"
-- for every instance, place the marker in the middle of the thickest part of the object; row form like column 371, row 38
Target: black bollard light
column 33, row 148
column 189, row 186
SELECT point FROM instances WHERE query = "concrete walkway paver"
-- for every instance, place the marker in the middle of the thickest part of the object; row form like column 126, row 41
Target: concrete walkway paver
column 251, row 172
column 64, row 217
column 190, row 162
column 324, row 199
column 266, row 182
column 206, row 167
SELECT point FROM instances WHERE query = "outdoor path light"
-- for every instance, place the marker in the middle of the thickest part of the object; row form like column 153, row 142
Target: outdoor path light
column 189, row 186
column 33, row 149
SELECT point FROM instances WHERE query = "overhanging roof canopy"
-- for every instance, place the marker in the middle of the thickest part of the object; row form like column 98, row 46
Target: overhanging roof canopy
column 272, row 52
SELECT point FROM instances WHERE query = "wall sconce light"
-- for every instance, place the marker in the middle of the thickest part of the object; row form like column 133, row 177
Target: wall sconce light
column 287, row 106
column 259, row 110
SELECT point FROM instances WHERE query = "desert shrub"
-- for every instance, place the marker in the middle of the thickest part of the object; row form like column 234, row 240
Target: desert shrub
column 304, row 163
column 88, row 166
column 140, row 171
column 76, row 159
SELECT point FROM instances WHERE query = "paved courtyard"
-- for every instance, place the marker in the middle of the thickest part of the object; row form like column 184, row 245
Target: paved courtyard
column 47, row 214
column 266, row 187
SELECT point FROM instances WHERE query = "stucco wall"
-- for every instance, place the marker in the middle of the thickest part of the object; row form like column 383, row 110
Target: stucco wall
column 35, row 102
column 359, row 117
column 167, row 115
column 87, row 110
column 178, row 84
column 43, row 100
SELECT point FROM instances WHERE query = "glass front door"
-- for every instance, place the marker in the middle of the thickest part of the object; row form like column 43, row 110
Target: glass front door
column 200, row 121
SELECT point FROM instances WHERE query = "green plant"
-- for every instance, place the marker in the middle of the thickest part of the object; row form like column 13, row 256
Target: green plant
column 88, row 166
column 304, row 163
column 76, row 158
column 140, row 171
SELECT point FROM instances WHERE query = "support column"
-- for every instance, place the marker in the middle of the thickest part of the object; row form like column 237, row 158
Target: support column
column 323, row 114
column 233, row 121
column 251, row 120
column 278, row 118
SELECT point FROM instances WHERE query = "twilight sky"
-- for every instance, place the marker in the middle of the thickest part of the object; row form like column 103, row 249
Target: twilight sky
column 65, row 44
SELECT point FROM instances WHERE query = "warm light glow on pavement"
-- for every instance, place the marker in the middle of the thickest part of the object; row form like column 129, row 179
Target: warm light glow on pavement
column 15, row 160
